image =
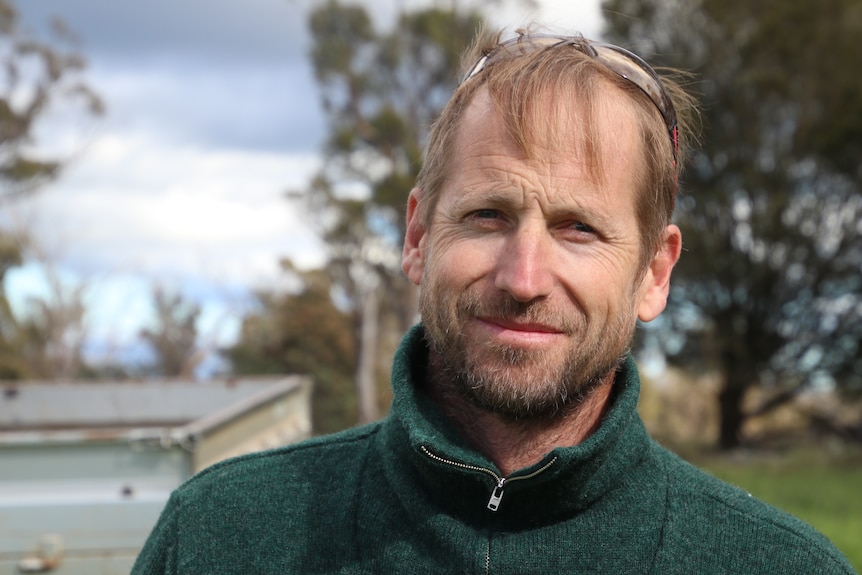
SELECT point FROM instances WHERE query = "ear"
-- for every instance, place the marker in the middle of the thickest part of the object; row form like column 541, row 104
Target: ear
column 656, row 283
column 413, row 256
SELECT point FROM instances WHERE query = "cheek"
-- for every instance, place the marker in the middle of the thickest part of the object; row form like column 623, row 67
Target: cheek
column 600, row 282
column 457, row 260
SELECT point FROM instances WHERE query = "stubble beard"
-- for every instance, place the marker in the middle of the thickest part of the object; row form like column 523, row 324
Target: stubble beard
column 520, row 385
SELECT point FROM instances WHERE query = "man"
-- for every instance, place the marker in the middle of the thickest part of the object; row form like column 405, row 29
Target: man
column 539, row 232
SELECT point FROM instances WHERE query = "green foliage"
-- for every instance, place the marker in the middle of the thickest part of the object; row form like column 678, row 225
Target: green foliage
column 768, row 290
column 347, row 29
column 36, row 76
column 380, row 89
column 304, row 333
column 25, row 170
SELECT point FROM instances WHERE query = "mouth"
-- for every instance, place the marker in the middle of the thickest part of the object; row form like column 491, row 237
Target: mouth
column 525, row 326
column 519, row 333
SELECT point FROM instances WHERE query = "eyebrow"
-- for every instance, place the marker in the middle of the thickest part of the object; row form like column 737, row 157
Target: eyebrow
column 512, row 196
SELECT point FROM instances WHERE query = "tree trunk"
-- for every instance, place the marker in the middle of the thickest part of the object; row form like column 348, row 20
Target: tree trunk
column 365, row 380
column 731, row 416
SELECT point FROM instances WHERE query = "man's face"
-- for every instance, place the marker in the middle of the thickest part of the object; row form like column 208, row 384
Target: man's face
column 530, row 274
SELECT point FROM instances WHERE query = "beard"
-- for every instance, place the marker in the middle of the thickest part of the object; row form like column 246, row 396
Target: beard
column 519, row 384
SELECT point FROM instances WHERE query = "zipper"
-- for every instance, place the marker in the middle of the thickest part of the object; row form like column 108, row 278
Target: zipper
column 499, row 482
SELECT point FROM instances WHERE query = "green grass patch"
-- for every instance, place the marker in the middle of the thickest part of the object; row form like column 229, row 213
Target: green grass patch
column 825, row 493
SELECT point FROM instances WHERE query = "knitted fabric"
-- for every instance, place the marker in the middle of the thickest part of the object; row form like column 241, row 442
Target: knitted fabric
column 406, row 495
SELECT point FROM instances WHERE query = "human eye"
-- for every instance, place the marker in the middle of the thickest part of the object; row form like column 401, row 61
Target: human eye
column 579, row 231
column 486, row 219
column 485, row 214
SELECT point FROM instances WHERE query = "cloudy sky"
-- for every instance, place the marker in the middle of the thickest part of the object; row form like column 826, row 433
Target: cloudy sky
column 212, row 114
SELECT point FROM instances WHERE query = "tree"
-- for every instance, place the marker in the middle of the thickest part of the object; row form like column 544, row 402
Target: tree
column 37, row 78
column 46, row 341
column 303, row 332
column 381, row 90
column 54, row 330
column 12, row 364
column 769, row 289
column 173, row 339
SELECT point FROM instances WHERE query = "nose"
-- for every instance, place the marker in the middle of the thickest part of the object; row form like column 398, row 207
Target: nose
column 524, row 268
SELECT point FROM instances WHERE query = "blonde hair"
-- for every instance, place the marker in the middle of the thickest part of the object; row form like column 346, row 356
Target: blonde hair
column 523, row 86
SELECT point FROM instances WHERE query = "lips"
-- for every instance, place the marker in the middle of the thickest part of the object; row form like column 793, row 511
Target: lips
column 521, row 326
column 518, row 334
column 508, row 322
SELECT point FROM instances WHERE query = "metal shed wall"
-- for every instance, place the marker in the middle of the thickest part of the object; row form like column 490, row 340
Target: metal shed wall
column 85, row 471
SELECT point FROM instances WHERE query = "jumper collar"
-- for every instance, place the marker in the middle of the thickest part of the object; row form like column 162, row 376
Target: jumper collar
column 579, row 475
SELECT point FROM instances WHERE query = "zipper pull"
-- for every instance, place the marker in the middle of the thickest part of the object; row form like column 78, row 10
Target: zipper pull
column 496, row 495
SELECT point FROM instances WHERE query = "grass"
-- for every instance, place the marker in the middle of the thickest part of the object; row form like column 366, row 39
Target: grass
column 826, row 493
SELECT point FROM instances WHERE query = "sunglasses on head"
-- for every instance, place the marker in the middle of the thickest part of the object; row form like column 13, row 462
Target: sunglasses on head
column 618, row 60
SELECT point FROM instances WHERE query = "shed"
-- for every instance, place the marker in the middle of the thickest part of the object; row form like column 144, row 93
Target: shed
column 86, row 468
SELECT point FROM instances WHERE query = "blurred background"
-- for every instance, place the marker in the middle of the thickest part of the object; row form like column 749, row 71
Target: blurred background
column 200, row 192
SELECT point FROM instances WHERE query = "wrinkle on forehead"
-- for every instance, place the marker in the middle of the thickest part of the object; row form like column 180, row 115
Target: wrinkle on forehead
column 563, row 122
column 558, row 175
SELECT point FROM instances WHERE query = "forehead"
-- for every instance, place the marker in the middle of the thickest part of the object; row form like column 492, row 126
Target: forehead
column 594, row 138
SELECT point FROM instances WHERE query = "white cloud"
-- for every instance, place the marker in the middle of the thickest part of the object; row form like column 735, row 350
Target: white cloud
column 136, row 206
column 558, row 16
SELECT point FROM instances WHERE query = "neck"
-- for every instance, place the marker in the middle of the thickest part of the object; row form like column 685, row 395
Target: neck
column 514, row 445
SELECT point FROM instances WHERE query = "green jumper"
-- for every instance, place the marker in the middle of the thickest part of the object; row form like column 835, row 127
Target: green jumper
column 406, row 495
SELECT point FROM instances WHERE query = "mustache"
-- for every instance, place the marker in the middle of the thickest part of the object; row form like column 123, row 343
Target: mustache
column 503, row 306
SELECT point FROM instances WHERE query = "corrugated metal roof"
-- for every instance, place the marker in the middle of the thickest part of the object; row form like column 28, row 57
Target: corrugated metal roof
column 47, row 406
column 85, row 468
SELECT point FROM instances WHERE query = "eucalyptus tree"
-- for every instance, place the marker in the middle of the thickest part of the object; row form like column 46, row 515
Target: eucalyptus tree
column 381, row 87
column 38, row 78
column 769, row 288
column 303, row 332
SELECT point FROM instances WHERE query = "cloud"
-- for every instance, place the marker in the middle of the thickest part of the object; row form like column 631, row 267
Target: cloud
column 254, row 108
column 126, row 34
column 208, row 72
column 211, row 114
column 556, row 16
column 133, row 205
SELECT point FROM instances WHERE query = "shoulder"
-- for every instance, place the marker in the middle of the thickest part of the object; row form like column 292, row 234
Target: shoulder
column 297, row 467
column 729, row 530
column 233, row 513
